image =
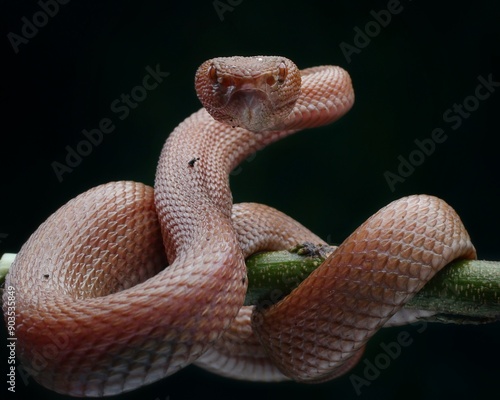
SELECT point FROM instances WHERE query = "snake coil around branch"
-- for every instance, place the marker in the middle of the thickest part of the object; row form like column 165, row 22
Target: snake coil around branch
column 95, row 270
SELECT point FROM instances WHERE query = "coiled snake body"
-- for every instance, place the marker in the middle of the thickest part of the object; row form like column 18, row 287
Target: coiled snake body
column 97, row 312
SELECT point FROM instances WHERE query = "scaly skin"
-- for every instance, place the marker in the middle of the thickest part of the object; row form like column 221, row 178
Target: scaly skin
column 97, row 313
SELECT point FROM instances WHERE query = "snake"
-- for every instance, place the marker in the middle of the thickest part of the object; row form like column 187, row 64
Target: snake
column 126, row 284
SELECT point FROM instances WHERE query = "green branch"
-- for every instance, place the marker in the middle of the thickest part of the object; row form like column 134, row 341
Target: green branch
column 465, row 291
column 5, row 261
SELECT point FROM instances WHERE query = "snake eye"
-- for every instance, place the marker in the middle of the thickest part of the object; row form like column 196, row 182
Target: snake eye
column 282, row 72
column 212, row 73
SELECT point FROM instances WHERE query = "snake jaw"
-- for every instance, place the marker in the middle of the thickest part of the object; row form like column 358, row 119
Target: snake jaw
column 250, row 106
column 248, row 102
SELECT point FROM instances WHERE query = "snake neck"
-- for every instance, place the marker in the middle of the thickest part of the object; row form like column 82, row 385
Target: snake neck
column 192, row 194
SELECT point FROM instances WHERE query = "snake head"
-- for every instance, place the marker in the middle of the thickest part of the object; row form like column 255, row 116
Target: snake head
column 256, row 93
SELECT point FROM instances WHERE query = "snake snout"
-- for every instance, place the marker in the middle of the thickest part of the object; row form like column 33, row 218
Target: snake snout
column 250, row 109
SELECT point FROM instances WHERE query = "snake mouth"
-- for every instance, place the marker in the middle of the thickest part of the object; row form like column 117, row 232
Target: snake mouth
column 251, row 107
column 249, row 98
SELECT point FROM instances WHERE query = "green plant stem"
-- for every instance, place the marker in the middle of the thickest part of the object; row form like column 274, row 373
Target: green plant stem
column 465, row 291
column 5, row 261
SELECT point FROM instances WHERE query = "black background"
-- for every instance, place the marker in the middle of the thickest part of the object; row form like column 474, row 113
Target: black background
column 331, row 179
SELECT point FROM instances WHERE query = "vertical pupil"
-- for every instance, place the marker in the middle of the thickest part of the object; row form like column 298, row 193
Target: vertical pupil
column 212, row 73
column 282, row 72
